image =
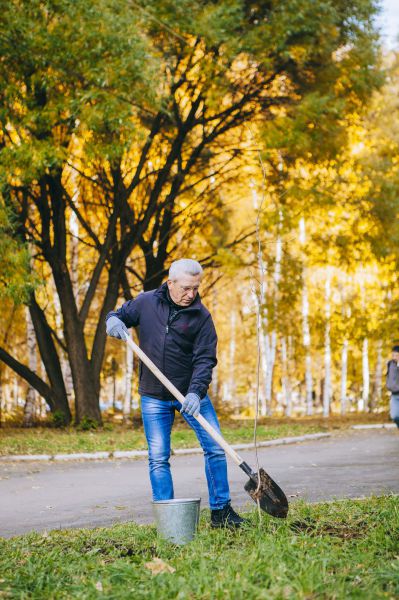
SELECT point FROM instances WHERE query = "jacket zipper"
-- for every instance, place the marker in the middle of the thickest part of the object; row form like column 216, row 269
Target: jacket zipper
column 167, row 331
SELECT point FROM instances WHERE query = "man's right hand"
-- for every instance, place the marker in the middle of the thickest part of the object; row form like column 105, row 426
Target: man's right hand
column 116, row 328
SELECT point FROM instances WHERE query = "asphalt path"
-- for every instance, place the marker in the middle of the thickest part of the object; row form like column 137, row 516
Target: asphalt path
column 44, row 496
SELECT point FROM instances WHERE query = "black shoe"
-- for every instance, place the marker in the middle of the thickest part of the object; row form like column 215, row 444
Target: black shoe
column 226, row 517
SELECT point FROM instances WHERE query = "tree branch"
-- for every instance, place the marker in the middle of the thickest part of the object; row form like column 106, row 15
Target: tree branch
column 29, row 376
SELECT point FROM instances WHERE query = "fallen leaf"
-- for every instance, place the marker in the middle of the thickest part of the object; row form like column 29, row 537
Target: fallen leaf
column 157, row 566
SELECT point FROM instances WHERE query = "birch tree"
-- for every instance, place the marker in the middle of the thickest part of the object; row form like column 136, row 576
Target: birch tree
column 327, row 392
column 31, row 396
column 306, row 331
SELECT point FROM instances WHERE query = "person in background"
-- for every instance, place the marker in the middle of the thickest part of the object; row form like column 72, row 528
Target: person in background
column 177, row 333
column 393, row 384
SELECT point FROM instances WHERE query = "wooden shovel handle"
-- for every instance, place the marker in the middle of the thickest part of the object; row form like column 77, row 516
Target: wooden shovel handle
column 179, row 396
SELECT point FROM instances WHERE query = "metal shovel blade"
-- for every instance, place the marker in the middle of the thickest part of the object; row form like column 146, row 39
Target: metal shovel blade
column 270, row 496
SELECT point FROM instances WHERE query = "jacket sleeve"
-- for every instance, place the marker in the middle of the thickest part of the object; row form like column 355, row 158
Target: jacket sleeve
column 128, row 313
column 204, row 358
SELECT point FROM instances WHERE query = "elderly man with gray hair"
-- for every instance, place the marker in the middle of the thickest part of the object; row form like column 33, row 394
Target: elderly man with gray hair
column 176, row 331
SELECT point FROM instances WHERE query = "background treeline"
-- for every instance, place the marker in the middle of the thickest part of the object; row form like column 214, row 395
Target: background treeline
column 132, row 135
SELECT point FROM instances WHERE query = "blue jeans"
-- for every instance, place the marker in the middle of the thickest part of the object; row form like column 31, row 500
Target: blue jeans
column 394, row 408
column 158, row 417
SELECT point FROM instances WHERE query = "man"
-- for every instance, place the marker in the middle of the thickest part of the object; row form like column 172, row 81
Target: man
column 176, row 331
column 393, row 384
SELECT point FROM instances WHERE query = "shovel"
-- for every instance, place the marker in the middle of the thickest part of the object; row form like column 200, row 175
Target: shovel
column 262, row 489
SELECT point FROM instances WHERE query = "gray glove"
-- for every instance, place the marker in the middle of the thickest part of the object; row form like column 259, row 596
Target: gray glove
column 116, row 328
column 191, row 405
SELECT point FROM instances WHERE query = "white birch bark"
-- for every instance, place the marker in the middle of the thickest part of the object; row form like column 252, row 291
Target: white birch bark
column 262, row 318
column 271, row 344
column 271, row 356
column 215, row 372
column 306, row 330
column 42, row 405
column 344, row 375
column 327, row 348
column 307, row 346
column 232, row 353
column 264, row 352
column 286, row 380
column 364, row 400
column 15, row 386
column 7, row 398
column 31, row 396
column 377, row 377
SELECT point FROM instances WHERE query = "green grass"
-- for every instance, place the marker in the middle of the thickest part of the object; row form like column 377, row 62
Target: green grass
column 347, row 549
column 47, row 440
column 44, row 440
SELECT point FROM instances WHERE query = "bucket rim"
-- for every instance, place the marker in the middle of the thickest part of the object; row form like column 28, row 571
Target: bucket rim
column 178, row 501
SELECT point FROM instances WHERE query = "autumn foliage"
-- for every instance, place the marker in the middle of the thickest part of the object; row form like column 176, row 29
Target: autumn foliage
column 136, row 133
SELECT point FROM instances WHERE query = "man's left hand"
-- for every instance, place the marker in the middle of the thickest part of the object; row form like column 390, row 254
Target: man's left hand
column 191, row 405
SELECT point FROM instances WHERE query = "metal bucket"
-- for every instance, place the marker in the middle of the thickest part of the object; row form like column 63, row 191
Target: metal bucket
column 177, row 520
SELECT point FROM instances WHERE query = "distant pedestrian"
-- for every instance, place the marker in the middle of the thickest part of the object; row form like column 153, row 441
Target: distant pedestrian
column 393, row 384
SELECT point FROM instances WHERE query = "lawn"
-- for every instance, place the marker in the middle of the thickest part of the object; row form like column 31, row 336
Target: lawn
column 346, row 549
column 47, row 440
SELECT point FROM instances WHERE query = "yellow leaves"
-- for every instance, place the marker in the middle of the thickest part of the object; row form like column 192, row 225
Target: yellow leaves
column 157, row 566
column 298, row 53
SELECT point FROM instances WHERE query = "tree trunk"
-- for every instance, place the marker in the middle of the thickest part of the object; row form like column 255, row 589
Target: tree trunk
column 271, row 359
column 264, row 353
column 84, row 383
column 51, row 361
column 74, row 233
column 377, row 388
column 264, row 346
column 15, row 387
column 30, row 402
column 308, row 357
column 232, row 355
column 286, row 380
column 215, row 372
column 344, row 375
column 306, row 328
column 65, row 366
column 327, row 349
column 364, row 401
column 8, row 398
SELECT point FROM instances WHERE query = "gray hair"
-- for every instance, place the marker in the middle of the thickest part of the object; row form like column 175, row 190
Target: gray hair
column 185, row 266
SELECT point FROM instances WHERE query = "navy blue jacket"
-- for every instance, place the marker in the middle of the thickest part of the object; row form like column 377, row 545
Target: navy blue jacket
column 184, row 350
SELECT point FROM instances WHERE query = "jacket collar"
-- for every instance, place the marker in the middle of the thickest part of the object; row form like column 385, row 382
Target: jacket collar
column 161, row 292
